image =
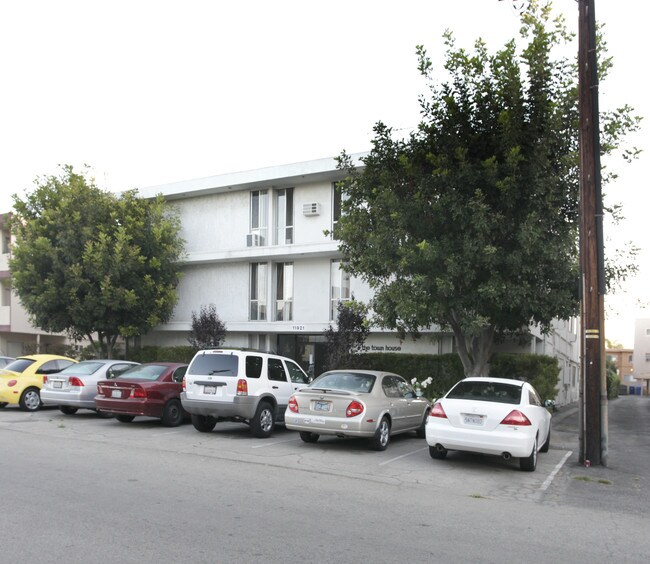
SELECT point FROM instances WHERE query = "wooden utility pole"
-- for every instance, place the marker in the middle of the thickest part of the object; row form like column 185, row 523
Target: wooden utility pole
column 594, row 439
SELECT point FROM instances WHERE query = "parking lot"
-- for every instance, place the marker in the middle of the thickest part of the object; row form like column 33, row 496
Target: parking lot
column 406, row 461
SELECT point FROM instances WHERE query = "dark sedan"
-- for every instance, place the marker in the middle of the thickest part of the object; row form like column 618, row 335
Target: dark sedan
column 151, row 390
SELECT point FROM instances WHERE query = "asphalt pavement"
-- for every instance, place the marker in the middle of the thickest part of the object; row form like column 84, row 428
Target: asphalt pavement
column 623, row 484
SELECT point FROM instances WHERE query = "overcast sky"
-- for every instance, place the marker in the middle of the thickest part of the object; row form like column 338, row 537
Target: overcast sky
column 154, row 91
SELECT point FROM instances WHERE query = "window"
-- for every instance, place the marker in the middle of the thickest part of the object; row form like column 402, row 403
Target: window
column 647, row 357
column 258, row 292
column 276, row 370
column 253, row 366
column 259, row 217
column 390, row 385
column 284, row 216
column 338, row 197
column 284, row 291
column 340, row 287
column 629, row 358
column 296, row 374
column 179, row 374
column 647, row 332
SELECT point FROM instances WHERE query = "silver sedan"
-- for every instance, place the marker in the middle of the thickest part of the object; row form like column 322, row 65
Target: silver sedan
column 357, row 403
column 75, row 387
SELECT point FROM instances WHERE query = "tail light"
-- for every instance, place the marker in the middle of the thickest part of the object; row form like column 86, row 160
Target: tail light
column 354, row 409
column 437, row 411
column 184, row 384
column 515, row 417
column 12, row 383
column 100, row 391
column 74, row 381
column 44, row 380
column 242, row 388
column 293, row 404
column 138, row 393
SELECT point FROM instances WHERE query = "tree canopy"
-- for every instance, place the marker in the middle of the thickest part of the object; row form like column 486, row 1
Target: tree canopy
column 94, row 264
column 471, row 223
column 208, row 330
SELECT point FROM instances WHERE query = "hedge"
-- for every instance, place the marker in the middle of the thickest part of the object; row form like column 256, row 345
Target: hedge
column 540, row 370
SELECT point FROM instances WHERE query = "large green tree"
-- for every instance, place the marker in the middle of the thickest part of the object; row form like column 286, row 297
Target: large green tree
column 94, row 264
column 471, row 223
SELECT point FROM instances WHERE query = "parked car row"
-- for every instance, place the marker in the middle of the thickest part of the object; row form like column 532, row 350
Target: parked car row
column 485, row 415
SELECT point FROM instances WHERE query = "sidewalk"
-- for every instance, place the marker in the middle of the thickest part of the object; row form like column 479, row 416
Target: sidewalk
column 624, row 483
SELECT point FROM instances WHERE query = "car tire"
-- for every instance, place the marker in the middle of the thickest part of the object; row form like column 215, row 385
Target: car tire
column 421, row 431
column 438, row 453
column 263, row 421
column 382, row 435
column 3, row 404
column 125, row 418
column 203, row 423
column 529, row 463
column 30, row 400
column 547, row 443
column 68, row 409
column 308, row 437
column 172, row 414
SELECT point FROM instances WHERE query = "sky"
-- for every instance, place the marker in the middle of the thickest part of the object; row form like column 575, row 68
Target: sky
column 147, row 92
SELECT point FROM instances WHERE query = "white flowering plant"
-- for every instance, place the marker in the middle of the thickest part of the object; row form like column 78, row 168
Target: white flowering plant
column 421, row 386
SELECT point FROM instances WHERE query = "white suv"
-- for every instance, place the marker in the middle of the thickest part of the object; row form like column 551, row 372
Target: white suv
column 235, row 385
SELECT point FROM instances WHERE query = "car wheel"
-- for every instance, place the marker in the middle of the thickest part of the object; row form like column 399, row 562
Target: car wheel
column 67, row 409
column 529, row 463
column 382, row 435
column 3, row 404
column 125, row 418
column 308, row 437
column 30, row 400
column 263, row 421
column 421, row 431
column 547, row 443
column 438, row 452
column 172, row 414
column 203, row 423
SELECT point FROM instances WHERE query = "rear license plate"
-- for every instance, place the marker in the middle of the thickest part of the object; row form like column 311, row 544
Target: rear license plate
column 116, row 394
column 473, row 419
column 321, row 406
column 57, row 384
column 212, row 390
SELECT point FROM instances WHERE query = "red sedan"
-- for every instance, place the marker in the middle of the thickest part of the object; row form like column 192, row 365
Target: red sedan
column 152, row 390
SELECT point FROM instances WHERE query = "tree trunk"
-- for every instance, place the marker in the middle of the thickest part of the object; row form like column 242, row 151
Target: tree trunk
column 474, row 351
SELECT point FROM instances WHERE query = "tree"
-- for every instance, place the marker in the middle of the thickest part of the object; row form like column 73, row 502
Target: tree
column 93, row 264
column 208, row 331
column 347, row 340
column 471, row 223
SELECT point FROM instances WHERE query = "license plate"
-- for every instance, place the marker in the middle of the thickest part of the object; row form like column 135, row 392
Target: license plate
column 57, row 384
column 116, row 394
column 473, row 419
column 321, row 406
column 212, row 390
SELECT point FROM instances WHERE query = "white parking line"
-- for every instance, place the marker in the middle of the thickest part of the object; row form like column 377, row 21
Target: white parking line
column 559, row 465
column 275, row 443
column 403, row 456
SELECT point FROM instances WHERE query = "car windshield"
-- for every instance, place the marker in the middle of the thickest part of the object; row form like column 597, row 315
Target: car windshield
column 149, row 372
column 348, row 381
column 486, row 391
column 209, row 364
column 83, row 368
column 19, row 365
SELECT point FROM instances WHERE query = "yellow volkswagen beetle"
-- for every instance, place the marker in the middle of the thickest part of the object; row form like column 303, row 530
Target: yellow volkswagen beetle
column 21, row 380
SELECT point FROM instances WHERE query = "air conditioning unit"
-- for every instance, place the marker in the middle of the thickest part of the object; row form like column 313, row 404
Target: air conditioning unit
column 311, row 209
column 254, row 240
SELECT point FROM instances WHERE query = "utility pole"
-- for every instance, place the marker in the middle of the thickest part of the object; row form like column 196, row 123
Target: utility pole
column 594, row 439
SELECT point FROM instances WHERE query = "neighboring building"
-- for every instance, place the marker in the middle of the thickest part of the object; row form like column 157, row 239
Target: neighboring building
column 642, row 356
column 17, row 334
column 623, row 358
column 257, row 250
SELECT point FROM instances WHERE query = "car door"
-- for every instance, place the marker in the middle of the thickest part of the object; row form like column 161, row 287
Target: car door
column 413, row 407
column 279, row 382
column 297, row 375
column 541, row 415
column 396, row 403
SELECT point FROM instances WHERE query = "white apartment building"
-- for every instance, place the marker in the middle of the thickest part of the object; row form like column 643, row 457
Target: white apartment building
column 257, row 249
column 640, row 384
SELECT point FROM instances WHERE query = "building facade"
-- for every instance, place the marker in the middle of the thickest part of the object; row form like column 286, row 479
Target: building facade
column 261, row 247
column 641, row 356
column 624, row 361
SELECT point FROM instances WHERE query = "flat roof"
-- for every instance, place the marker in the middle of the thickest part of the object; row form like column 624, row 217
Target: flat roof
column 280, row 176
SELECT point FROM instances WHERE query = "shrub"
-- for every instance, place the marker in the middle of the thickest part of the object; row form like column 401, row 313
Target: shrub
column 539, row 370
column 162, row 354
